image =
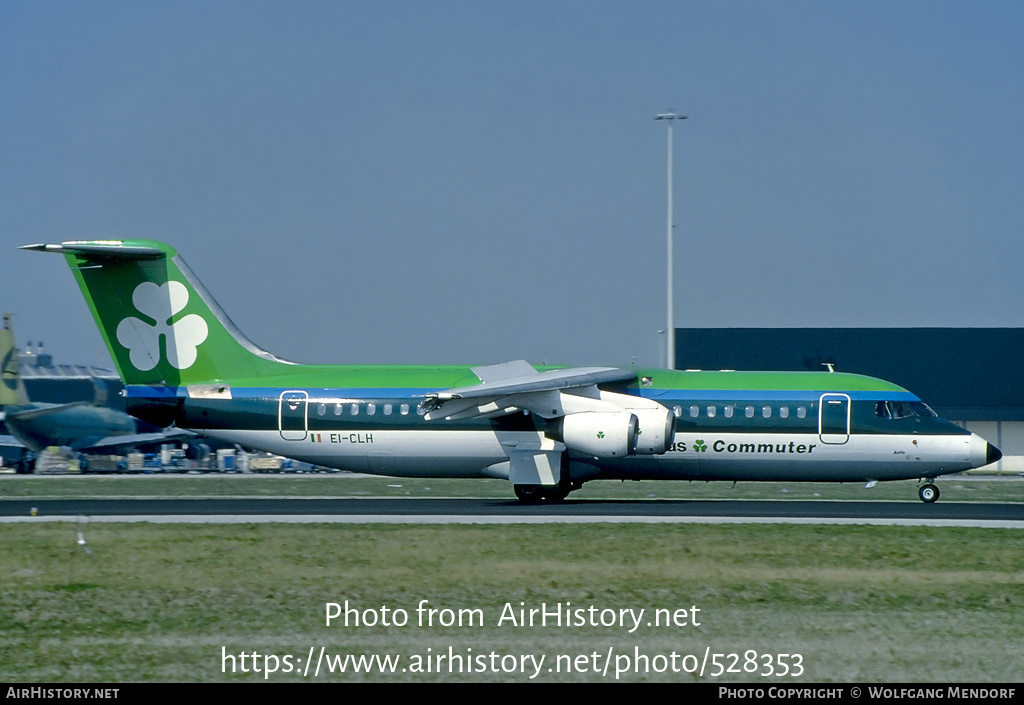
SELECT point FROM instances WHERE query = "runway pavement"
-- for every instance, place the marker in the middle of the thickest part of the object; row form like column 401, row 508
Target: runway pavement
column 476, row 511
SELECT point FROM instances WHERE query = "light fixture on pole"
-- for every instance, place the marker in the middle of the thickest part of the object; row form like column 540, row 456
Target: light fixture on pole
column 670, row 331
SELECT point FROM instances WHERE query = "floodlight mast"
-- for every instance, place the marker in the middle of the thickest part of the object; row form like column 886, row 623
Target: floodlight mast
column 670, row 330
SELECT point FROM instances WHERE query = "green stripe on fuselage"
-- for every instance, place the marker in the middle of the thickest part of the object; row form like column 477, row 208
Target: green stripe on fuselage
column 765, row 381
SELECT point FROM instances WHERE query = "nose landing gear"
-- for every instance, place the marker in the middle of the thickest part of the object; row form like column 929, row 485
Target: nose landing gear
column 928, row 492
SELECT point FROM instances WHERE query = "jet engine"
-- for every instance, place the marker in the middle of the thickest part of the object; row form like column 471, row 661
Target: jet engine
column 657, row 430
column 603, row 434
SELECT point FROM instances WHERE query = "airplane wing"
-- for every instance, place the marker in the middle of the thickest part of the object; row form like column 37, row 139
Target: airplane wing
column 29, row 414
column 136, row 439
column 583, row 417
column 113, row 443
column 512, row 386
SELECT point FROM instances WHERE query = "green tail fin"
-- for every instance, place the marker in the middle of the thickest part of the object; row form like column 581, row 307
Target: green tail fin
column 12, row 389
column 160, row 324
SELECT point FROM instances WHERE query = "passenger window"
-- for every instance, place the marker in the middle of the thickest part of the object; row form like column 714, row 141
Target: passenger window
column 729, row 410
column 321, row 409
column 766, row 411
column 388, row 409
column 404, row 409
column 712, row 410
column 694, row 411
column 354, row 410
column 420, row 411
column 748, row 412
column 783, row 412
column 371, row 409
column 677, row 411
column 801, row 412
column 337, row 409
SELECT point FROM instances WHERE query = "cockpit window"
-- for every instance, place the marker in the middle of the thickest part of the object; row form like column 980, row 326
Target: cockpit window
column 923, row 409
column 903, row 409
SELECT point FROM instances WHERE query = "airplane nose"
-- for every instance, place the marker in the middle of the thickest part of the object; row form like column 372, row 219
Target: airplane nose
column 982, row 452
column 992, row 454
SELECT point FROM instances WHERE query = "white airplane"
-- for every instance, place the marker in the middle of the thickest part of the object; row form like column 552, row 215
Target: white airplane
column 547, row 430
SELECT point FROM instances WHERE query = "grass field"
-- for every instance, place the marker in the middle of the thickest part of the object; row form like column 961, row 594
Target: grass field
column 166, row 602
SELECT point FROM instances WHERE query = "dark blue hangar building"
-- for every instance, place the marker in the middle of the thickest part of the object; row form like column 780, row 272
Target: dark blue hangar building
column 972, row 376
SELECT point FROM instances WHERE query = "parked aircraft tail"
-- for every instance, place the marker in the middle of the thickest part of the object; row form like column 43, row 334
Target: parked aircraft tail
column 159, row 323
column 12, row 389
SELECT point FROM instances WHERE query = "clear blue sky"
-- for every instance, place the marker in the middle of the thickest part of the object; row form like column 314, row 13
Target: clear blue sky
column 473, row 182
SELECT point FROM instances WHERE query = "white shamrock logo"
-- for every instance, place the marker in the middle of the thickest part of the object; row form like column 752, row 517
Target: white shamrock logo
column 142, row 339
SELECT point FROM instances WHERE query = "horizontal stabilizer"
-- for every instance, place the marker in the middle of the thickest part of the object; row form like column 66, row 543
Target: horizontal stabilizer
column 98, row 249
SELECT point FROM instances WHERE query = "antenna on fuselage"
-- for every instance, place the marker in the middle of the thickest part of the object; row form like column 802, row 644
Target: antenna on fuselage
column 829, row 365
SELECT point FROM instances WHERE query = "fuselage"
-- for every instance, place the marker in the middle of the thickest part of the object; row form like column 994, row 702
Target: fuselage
column 40, row 425
column 728, row 425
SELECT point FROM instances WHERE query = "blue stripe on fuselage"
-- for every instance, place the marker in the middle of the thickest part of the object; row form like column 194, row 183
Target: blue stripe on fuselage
column 725, row 395
column 665, row 395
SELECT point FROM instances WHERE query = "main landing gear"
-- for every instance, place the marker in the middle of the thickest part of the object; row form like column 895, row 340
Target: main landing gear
column 534, row 494
column 928, row 492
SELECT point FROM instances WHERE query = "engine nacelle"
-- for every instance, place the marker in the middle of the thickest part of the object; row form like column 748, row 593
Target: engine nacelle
column 657, row 430
column 603, row 434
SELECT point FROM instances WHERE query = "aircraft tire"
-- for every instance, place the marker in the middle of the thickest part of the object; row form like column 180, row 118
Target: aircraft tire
column 528, row 494
column 928, row 493
column 556, row 494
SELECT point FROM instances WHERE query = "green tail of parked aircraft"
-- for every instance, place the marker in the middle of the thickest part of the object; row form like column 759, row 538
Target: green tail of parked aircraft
column 546, row 430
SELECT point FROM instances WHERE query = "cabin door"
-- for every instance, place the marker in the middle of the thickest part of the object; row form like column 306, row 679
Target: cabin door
column 834, row 419
column 292, row 416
